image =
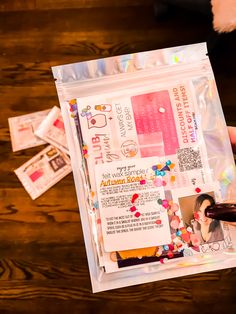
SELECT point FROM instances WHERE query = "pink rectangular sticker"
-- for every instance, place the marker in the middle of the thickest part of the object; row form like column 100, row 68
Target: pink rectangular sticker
column 153, row 115
column 35, row 175
column 59, row 124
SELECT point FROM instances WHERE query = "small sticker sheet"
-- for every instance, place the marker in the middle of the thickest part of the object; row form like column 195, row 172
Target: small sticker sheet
column 22, row 130
column 43, row 171
column 131, row 216
column 52, row 130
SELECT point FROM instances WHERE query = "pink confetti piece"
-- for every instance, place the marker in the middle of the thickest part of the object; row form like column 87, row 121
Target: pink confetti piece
column 175, row 221
column 158, row 221
column 171, row 247
column 142, row 182
column 163, row 183
column 170, row 254
column 133, row 209
column 134, row 197
column 174, row 207
column 161, row 260
column 198, row 190
column 157, row 182
column 165, row 203
column 98, row 221
column 137, row 214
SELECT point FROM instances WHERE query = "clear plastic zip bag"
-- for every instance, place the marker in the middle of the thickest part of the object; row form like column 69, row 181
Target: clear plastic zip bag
column 150, row 150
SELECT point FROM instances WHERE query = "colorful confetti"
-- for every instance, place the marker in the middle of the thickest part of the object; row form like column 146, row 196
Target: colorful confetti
column 174, row 207
column 95, row 204
column 134, row 197
column 142, row 182
column 165, row 168
column 187, row 252
column 133, row 209
column 170, row 254
column 137, row 214
column 197, row 190
column 165, row 203
column 162, row 110
column 172, row 179
column 157, row 182
column 175, row 221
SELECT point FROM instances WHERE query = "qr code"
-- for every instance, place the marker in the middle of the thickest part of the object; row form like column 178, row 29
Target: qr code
column 189, row 159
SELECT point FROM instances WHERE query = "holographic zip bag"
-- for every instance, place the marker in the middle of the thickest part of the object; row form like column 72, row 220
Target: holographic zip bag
column 150, row 151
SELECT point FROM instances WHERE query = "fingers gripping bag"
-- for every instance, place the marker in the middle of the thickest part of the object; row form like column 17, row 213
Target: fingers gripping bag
column 150, row 151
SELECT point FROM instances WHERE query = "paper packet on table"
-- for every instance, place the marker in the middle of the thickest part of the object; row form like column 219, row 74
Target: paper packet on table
column 22, row 130
column 52, row 130
column 43, row 171
column 150, row 150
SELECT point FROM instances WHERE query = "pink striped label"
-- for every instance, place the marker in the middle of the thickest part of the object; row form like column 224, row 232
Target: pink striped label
column 155, row 123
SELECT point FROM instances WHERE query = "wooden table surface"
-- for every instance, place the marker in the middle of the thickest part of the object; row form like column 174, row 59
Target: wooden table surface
column 43, row 265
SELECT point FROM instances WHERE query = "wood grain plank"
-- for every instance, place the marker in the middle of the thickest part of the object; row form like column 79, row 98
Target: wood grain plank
column 47, row 306
column 17, row 233
column 68, row 284
column 18, row 5
column 69, row 19
column 17, row 206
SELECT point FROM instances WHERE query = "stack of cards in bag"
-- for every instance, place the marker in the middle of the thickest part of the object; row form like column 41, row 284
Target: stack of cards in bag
column 50, row 165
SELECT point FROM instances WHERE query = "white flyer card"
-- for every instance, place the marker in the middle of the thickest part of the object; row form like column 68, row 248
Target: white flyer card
column 131, row 216
column 22, row 130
